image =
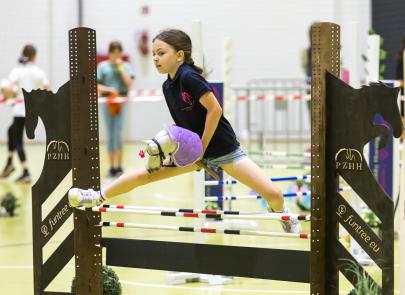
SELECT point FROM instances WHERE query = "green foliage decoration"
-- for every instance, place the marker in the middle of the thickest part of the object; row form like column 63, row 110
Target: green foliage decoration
column 111, row 283
column 9, row 202
column 364, row 284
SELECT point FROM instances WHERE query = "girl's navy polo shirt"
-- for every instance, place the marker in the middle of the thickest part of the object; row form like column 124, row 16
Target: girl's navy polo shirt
column 182, row 95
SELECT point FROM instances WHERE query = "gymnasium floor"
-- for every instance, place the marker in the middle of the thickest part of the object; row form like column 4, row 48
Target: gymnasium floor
column 16, row 273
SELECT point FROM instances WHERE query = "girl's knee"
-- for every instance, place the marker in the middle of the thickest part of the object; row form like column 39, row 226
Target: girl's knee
column 273, row 194
column 142, row 177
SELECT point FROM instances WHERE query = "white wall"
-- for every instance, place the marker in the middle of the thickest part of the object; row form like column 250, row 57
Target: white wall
column 43, row 23
column 268, row 35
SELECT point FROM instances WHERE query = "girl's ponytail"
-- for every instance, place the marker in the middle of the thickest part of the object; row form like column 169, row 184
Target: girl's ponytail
column 189, row 60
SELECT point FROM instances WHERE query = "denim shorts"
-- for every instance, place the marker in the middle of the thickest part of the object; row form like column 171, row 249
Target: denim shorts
column 232, row 157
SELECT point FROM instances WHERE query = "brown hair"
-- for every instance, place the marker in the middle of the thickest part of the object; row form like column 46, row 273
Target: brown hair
column 28, row 54
column 115, row 45
column 179, row 41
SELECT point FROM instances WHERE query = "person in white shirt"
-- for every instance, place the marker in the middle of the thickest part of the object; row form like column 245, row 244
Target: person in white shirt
column 28, row 76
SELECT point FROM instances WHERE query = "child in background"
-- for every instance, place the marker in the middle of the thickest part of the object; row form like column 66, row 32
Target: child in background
column 29, row 76
column 115, row 78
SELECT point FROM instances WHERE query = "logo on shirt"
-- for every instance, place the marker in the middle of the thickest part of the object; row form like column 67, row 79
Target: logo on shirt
column 187, row 98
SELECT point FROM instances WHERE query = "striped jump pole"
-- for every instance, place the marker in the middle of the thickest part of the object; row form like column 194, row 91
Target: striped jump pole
column 275, row 179
column 184, row 210
column 283, row 166
column 204, row 230
column 280, row 154
column 258, row 197
column 221, row 214
column 251, row 197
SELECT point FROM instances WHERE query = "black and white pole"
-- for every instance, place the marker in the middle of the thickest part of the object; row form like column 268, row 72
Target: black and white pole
column 210, row 214
column 204, row 230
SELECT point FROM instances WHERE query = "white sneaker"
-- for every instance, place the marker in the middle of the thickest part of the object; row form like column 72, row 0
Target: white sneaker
column 87, row 198
column 289, row 226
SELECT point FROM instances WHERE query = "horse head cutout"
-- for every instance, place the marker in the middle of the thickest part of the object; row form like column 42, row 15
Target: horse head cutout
column 382, row 100
column 354, row 111
column 52, row 108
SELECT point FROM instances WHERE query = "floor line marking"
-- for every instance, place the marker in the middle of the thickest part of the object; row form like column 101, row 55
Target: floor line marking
column 212, row 288
column 221, row 289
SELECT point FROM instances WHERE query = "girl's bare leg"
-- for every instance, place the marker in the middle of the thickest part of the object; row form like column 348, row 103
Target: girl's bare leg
column 132, row 179
column 247, row 172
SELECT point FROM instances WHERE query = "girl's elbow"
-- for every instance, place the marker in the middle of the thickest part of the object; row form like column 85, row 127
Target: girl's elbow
column 219, row 111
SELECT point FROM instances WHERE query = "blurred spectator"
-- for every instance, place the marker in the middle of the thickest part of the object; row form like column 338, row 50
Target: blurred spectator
column 115, row 78
column 29, row 76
